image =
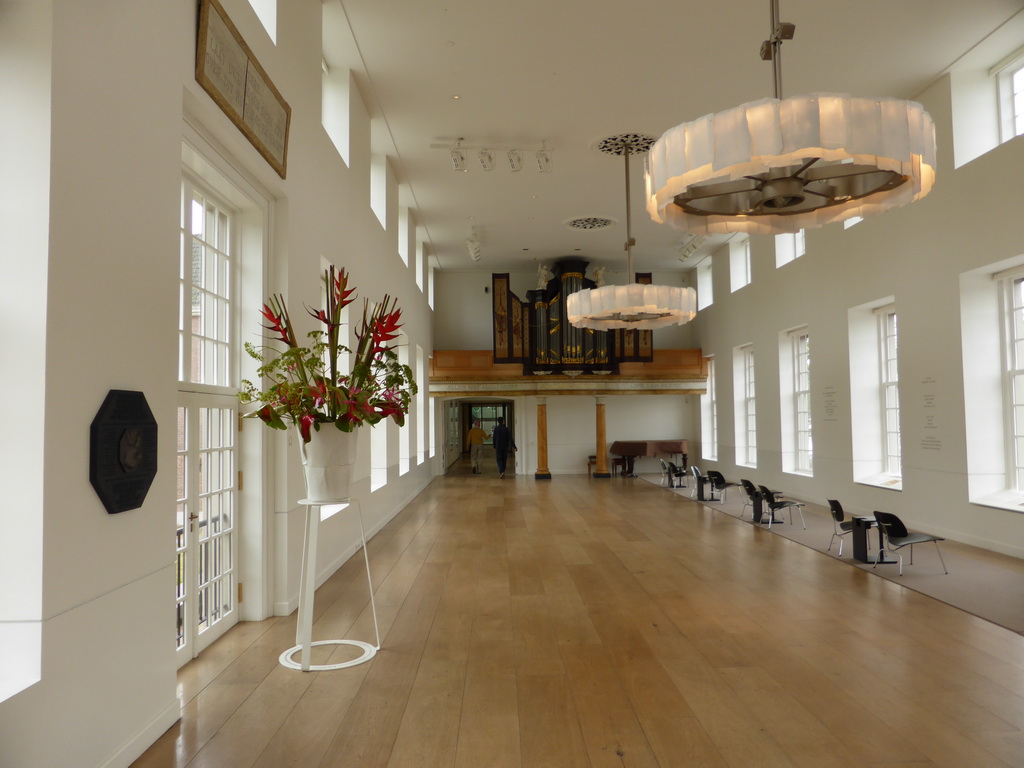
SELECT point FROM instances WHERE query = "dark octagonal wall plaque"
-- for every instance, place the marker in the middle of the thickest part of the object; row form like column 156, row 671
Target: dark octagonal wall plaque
column 122, row 450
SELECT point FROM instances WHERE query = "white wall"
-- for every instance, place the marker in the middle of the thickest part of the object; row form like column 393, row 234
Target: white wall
column 460, row 303
column 122, row 82
column 916, row 254
column 572, row 428
column 108, row 676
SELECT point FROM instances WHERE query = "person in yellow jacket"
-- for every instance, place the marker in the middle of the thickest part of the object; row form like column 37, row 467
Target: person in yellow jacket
column 475, row 443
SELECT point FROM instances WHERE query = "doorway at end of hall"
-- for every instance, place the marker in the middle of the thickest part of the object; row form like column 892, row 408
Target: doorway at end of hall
column 488, row 413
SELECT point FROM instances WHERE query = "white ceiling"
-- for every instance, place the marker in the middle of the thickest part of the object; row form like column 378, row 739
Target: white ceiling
column 569, row 73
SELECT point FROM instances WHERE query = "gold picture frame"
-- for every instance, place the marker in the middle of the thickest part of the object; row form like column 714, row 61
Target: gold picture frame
column 227, row 70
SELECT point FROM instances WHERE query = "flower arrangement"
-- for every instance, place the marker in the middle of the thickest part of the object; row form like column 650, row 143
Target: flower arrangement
column 305, row 385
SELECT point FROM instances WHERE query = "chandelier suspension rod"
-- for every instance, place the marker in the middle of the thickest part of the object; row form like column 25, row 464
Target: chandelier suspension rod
column 776, row 43
column 630, row 242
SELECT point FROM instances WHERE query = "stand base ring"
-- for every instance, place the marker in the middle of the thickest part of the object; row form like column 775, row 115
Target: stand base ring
column 369, row 651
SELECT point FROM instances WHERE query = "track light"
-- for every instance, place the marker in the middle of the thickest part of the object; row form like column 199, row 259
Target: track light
column 544, row 159
column 690, row 245
column 473, row 243
column 515, row 160
column 459, row 156
column 489, row 157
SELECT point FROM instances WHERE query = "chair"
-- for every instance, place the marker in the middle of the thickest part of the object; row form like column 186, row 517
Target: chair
column 752, row 497
column 720, row 484
column 591, row 463
column 775, row 502
column 840, row 525
column 698, row 481
column 679, row 473
column 896, row 536
column 672, row 472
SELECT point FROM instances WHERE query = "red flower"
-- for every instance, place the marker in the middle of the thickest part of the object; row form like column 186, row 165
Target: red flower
column 342, row 292
column 276, row 316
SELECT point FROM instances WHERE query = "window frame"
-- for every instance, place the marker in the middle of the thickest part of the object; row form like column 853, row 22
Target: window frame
column 227, row 315
column 1012, row 378
column 709, row 415
column 705, row 283
column 889, row 391
column 800, row 340
column 739, row 263
column 1009, row 77
column 789, row 246
column 745, row 388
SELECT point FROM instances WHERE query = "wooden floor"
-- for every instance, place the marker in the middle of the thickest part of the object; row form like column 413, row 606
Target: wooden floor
column 606, row 623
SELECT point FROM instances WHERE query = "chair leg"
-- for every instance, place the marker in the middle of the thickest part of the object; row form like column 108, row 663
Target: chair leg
column 800, row 509
column 945, row 570
column 840, row 546
column 900, row 556
column 830, row 545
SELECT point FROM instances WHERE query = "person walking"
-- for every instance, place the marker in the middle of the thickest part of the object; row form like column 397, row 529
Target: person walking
column 475, row 442
column 503, row 442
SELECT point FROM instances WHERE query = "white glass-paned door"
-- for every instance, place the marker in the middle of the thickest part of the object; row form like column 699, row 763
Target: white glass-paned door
column 206, row 510
column 207, row 460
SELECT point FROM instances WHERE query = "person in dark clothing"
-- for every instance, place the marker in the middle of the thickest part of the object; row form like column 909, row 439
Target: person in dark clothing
column 502, row 440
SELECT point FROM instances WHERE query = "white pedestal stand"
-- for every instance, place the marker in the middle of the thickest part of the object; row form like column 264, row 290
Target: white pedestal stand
column 307, row 586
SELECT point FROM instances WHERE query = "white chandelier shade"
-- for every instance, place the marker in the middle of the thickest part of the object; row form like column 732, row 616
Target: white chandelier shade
column 782, row 165
column 634, row 306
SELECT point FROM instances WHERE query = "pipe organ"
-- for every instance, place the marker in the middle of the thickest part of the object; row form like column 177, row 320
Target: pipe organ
column 535, row 332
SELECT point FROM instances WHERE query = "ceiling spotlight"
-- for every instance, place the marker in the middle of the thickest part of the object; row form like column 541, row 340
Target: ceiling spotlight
column 473, row 243
column 486, row 159
column 690, row 245
column 544, row 159
column 459, row 156
column 515, row 160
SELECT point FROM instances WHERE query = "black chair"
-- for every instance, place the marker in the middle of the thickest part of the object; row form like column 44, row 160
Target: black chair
column 674, row 473
column 698, row 481
column 774, row 502
column 753, row 497
column 718, row 483
column 895, row 537
column 840, row 525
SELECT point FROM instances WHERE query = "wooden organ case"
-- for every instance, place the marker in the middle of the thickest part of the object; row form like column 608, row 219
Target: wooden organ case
column 536, row 334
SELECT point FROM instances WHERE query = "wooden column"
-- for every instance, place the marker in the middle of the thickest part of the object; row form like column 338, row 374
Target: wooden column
column 542, row 473
column 602, row 442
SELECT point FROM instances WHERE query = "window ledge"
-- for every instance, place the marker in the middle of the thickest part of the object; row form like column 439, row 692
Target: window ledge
column 11, row 686
column 1011, row 501
column 885, row 482
column 20, row 642
column 801, row 472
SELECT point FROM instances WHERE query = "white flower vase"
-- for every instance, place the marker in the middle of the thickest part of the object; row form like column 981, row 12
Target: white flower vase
column 327, row 461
